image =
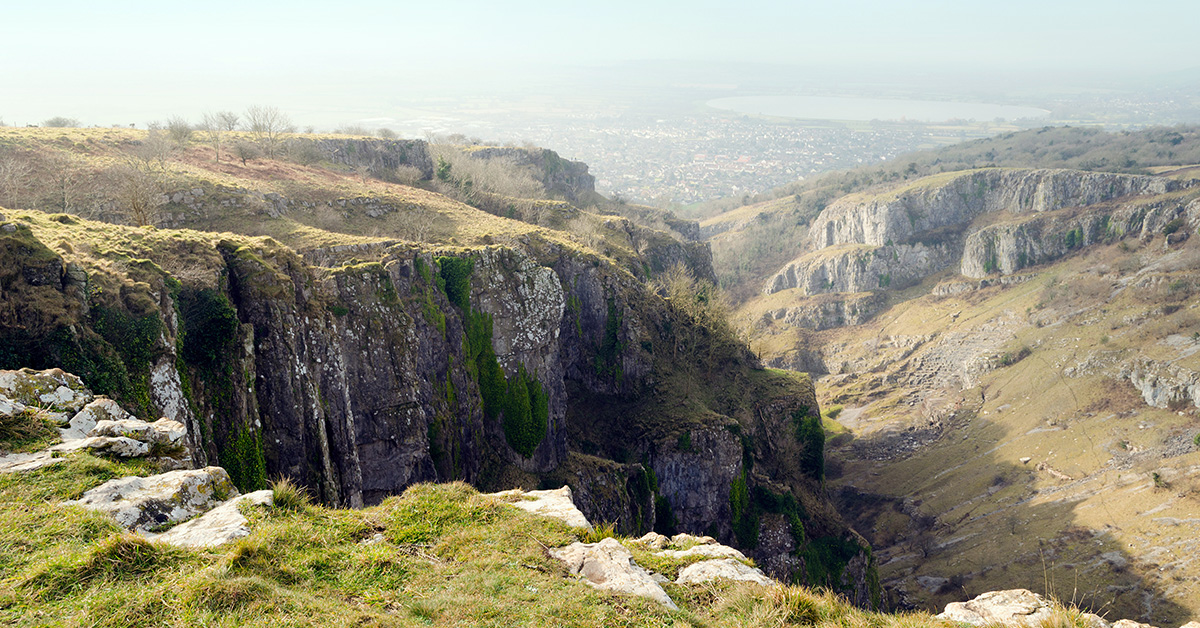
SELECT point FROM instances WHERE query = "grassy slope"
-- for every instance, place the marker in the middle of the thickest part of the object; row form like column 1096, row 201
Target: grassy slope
column 1108, row 474
column 449, row 556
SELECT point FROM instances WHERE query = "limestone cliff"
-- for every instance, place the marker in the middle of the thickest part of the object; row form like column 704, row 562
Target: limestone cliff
column 499, row 365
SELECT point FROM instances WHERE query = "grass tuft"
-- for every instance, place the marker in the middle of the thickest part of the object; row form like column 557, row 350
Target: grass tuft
column 287, row 495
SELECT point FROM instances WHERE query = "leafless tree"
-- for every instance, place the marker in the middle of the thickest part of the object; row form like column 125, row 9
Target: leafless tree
column 64, row 181
column 386, row 134
column 268, row 125
column 213, row 129
column 14, row 178
column 180, row 131
column 137, row 188
column 246, row 151
column 155, row 150
column 62, row 122
column 228, row 120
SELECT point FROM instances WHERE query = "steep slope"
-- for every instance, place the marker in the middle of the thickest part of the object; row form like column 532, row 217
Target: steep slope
column 1014, row 353
column 359, row 362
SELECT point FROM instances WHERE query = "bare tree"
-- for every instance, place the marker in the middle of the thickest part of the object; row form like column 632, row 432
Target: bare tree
column 268, row 125
column 137, row 189
column 386, row 133
column 246, row 151
column 155, row 150
column 228, row 120
column 213, row 129
column 14, row 179
column 65, row 182
column 180, row 131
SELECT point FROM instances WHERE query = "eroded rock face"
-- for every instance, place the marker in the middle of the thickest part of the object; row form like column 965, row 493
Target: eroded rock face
column 161, row 432
column 862, row 268
column 609, row 566
column 142, row 504
column 218, row 526
column 53, row 388
column 113, row 446
column 722, row 569
column 84, row 421
column 556, row 504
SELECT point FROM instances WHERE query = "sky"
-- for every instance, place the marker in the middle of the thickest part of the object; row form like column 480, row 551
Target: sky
column 104, row 62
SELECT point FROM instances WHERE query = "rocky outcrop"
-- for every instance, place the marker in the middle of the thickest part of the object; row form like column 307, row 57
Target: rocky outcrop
column 555, row 504
column 862, row 268
column 559, row 176
column 53, row 389
column 955, row 199
column 1163, row 385
column 609, row 566
column 380, row 156
column 142, row 504
column 1016, row 607
column 221, row 525
column 722, row 569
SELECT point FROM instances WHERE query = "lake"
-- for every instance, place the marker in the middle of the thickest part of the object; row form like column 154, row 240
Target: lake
column 843, row 108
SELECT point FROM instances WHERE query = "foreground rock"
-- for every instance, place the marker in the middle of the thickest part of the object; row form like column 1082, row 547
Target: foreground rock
column 609, row 566
column 84, row 421
column 118, row 446
column 218, row 526
column 12, row 463
column 55, row 389
column 723, row 569
column 556, row 504
column 1015, row 607
column 142, row 504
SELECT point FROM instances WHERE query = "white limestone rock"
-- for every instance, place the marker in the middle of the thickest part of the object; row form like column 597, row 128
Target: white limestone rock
column 113, row 446
column 218, row 526
column 141, row 504
column 715, row 550
column 161, row 432
column 609, row 566
column 53, row 388
column 102, row 409
column 1014, row 607
column 557, row 504
column 722, row 569
column 14, row 463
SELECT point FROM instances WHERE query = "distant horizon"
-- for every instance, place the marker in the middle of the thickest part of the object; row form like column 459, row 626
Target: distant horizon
column 332, row 65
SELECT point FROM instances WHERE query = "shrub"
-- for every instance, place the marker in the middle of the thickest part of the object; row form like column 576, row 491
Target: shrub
column 287, row 495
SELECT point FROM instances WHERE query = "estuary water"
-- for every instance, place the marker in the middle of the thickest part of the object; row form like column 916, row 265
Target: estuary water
column 847, row 108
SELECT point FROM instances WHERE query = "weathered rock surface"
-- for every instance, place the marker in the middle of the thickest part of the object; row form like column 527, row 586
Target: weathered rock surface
column 938, row 202
column 722, row 569
column 52, row 388
column 1014, row 607
column 862, row 268
column 141, row 504
column 161, row 432
column 84, row 421
column 111, row 445
column 609, row 566
column 218, row 526
column 1163, row 384
column 556, row 504
column 14, row 463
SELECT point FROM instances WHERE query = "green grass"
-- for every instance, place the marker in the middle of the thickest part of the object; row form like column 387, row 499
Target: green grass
column 29, row 430
column 450, row 557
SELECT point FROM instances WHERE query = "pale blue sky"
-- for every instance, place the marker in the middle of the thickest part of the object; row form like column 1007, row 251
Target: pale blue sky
column 95, row 60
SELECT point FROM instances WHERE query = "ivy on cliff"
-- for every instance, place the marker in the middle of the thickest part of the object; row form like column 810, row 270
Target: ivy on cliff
column 811, row 437
column 520, row 400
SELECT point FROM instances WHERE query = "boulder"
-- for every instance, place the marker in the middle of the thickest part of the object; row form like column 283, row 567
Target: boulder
column 161, row 432
column 10, row 407
column 609, row 566
column 1014, row 607
column 101, row 409
column 1129, row 623
column 715, row 550
column 556, row 504
column 52, row 388
column 142, row 504
column 114, row 446
column 722, row 568
column 654, row 540
column 218, row 526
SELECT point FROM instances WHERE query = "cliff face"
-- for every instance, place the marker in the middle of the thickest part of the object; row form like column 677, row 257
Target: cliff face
column 499, row 366
column 956, row 199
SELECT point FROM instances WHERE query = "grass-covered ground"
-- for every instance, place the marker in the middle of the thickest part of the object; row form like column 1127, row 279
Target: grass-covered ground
column 448, row 556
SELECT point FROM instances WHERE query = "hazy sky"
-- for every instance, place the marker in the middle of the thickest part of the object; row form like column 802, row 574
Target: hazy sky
column 103, row 62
